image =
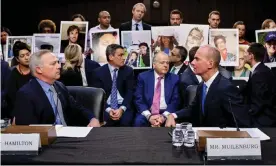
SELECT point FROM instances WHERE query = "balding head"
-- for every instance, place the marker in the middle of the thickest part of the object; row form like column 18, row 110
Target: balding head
column 104, row 19
column 206, row 61
column 161, row 63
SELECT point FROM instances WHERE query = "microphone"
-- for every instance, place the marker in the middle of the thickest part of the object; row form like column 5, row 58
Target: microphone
column 230, row 104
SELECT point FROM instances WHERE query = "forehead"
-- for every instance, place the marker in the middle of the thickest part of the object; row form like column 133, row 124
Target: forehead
column 195, row 32
column 107, row 36
column 48, row 57
column 24, row 51
column 162, row 57
column 175, row 15
column 215, row 16
column 119, row 51
column 139, row 7
column 104, row 14
column 175, row 50
column 74, row 31
column 3, row 32
column 241, row 26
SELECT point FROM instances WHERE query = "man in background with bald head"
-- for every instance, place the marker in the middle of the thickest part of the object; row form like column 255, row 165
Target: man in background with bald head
column 216, row 97
column 156, row 93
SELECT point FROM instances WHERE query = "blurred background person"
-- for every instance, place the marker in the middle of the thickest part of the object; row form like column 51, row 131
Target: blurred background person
column 46, row 26
column 195, row 38
column 70, row 72
column 176, row 17
column 214, row 19
column 164, row 42
column 270, row 45
column 242, row 29
column 5, row 73
column 132, row 59
column 220, row 43
column 177, row 58
column 78, row 18
column 241, row 70
column 268, row 24
column 5, row 32
column 144, row 55
column 73, row 33
column 20, row 74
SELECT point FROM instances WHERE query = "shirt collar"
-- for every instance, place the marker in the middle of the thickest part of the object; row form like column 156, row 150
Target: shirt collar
column 45, row 86
column 210, row 81
column 178, row 67
column 134, row 22
column 111, row 68
column 99, row 27
column 156, row 75
column 254, row 67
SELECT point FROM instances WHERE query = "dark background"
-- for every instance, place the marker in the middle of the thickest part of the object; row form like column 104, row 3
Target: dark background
column 22, row 17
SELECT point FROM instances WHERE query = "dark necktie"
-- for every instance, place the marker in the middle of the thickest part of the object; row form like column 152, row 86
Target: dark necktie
column 137, row 25
column 114, row 101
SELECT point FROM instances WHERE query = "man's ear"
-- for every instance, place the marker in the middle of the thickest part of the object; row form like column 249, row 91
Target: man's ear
column 98, row 19
column 38, row 70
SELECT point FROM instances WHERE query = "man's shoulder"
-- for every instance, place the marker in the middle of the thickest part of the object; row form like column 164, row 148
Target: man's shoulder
column 92, row 63
column 173, row 77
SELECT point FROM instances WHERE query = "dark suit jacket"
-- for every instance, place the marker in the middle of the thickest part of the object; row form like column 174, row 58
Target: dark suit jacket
column 127, row 26
column 102, row 79
column 89, row 66
column 217, row 112
column 182, row 69
column 260, row 93
column 186, row 78
column 145, row 91
column 225, row 73
column 33, row 107
column 5, row 73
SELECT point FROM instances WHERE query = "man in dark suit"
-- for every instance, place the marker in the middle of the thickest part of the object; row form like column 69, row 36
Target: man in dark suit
column 117, row 81
column 5, row 72
column 177, row 58
column 43, row 100
column 216, row 97
column 86, row 69
column 156, row 94
column 138, row 12
column 260, row 91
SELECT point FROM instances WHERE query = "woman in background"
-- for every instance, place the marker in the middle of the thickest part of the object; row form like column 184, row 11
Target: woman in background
column 70, row 71
column 241, row 70
column 21, row 73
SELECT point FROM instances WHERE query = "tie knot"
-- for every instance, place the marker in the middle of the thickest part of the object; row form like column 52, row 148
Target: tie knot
column 160, row 78
column 204, row 86
column 115, row 70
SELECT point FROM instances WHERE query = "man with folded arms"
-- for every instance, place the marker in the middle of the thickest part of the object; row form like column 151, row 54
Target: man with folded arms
column 216, row 98
column 156, row 93
column 43, row 100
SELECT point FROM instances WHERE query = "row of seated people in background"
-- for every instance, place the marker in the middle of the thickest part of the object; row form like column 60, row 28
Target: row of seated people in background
column 155, row 94
column 138, row 11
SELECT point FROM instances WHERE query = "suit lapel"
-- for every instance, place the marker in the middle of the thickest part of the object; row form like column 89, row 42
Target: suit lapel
column 119, row 77
column 167, row 88
column 106, row 77
column 130, row 25
column 151, row 86
column 211, row 92
column 86, row 68
column 181, row 69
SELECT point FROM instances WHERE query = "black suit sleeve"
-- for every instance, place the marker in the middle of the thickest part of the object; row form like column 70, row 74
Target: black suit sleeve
column 231, row 96
column 24, row 110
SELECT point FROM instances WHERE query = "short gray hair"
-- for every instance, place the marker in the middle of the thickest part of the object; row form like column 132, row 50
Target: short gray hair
column 35, row 59
column 155, row 56
column 140, row 4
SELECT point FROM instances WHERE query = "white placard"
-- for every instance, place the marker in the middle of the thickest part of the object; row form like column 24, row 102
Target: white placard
column 20, row 142
column 238, row 148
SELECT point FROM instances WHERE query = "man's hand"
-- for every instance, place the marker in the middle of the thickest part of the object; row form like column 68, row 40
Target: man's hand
column 112, row 114
column 161, row 119
column 118, row 113
column 170, row 121
column 154, row 120
column 94, row 123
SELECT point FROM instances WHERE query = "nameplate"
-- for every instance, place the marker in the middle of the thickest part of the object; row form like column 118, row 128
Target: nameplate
column 20, row 144
column 233, row 148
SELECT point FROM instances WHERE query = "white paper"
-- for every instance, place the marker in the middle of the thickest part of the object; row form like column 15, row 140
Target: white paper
column 253, row 132
column 73, row 131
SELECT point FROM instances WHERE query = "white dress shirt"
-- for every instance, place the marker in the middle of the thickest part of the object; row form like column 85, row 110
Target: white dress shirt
column 208, row 84
column 133, row 27
column 119, row 97
column 177, row 68
column 197, row 76
column 96, row 28
column 163, row 104
column 83, row 75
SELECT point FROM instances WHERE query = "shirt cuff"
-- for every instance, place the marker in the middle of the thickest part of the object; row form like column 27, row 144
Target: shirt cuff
column 108, row 109
column 146, row 113
column 174, row 115
column 123, row 108
column 166, row 114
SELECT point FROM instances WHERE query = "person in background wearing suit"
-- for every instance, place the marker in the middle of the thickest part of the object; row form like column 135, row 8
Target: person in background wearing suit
column 116, row 79
column 156, row 94
column 136, row 24
column 177, row 58
column 260, row 91
column 43, row 100
column 216, row 98
column 188, row 77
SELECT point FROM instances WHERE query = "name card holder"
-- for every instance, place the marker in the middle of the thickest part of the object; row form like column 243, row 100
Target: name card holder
column 233, row 149
column 20, row 144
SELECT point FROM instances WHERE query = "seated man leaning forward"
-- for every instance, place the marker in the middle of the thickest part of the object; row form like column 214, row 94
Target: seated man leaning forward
column 156, row 93
column 216, row 97
column 43, row 100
